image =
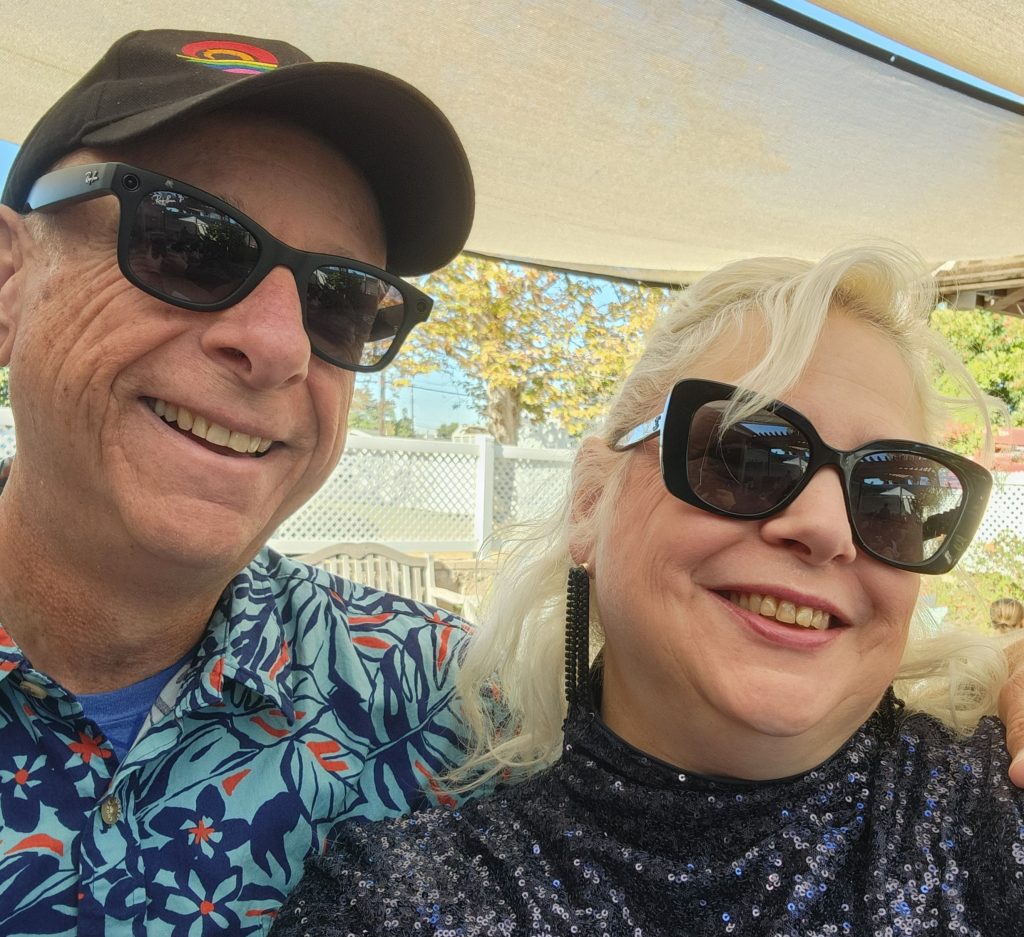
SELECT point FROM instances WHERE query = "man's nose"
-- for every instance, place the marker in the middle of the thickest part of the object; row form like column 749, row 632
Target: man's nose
column 262, row 338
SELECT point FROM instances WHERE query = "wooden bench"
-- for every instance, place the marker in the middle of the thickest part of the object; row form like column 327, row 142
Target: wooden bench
column 382, row 567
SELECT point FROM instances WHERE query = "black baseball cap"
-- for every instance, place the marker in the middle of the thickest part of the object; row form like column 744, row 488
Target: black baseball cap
column 156, row 79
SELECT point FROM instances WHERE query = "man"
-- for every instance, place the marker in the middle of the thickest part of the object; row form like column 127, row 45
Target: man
column 199, row 245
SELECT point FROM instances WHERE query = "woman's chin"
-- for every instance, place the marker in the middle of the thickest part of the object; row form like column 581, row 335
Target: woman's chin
column 788, row 712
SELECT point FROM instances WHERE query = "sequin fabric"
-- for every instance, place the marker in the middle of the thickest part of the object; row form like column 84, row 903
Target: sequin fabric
column 903, row 831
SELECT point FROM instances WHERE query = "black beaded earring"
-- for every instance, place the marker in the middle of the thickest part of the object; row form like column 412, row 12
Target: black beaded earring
column 577, row 635
column 890, row 711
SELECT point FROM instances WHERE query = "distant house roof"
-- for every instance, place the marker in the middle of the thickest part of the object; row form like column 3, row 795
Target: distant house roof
column 995, row 285
column 1010, row 437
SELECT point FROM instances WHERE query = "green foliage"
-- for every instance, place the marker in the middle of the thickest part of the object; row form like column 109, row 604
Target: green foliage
column 992, row 346
column 364, row 414
column 989, row 571
column 447, row 430
column 5, row 393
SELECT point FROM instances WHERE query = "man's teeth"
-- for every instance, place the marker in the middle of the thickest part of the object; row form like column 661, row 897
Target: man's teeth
column 781, row 610
column 211, row 432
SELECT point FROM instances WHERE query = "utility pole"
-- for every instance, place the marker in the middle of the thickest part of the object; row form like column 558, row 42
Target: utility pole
column 380, row 404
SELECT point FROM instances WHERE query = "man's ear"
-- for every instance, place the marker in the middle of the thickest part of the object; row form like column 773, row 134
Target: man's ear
column 15, row 242
column 590, row 470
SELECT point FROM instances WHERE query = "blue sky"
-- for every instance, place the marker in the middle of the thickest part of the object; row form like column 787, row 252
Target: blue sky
column 7, row 151
column 859, row 32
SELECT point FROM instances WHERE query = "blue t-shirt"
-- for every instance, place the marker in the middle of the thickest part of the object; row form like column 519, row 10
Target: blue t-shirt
column 120, row 713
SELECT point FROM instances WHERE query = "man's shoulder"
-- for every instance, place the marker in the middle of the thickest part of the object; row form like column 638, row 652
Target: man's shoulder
column 314, row 603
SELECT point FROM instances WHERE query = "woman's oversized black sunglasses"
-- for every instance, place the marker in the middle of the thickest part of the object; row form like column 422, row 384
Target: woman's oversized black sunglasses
column 192, row 250
column 910, row 505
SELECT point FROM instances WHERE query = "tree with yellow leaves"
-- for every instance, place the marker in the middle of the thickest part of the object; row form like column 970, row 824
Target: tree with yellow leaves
column 544, row 343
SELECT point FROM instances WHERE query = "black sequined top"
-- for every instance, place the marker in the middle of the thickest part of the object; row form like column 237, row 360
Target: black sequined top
column 903, row 831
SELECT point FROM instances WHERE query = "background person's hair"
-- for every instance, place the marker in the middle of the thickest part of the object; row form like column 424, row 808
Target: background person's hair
column 519, row 644
column 1006, row 614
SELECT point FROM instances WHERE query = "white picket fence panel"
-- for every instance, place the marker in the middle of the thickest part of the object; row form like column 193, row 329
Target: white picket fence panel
column 427, row 495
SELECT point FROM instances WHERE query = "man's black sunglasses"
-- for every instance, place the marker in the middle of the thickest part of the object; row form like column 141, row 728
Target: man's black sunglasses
column 910, row 505
column 192, row 250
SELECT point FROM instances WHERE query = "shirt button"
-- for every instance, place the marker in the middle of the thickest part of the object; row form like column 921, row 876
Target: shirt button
column 33, row 689
column 110, row 810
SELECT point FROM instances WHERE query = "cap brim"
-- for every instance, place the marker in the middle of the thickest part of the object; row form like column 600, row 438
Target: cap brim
column 399, row 139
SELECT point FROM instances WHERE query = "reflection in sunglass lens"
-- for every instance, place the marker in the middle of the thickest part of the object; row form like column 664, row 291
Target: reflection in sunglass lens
column 905, row 505
column 747, row 467
column 184, row 249
column 352, row 316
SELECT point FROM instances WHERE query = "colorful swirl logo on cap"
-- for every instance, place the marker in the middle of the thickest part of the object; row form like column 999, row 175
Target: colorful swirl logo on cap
column 238, row 58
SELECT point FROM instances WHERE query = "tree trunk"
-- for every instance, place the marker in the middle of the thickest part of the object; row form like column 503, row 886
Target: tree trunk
column 503, row 413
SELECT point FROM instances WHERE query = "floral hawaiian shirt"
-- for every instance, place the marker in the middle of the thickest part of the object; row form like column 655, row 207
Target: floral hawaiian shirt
column 310, row 700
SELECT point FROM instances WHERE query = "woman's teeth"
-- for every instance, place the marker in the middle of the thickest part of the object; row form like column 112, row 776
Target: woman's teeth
column 779, row 609
column 211, row 432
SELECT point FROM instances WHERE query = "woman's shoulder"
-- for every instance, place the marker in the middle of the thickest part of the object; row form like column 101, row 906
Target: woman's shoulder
column 376, row 874
column 965, row 776
column 961, row 798
column 980, row 753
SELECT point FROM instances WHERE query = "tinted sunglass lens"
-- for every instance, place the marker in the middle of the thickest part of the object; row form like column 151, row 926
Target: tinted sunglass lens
column 351, row 316
column 747, row 467
column 905, row 505
column 184, row 249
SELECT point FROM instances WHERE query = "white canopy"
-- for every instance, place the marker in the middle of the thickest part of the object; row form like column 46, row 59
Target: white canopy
column 645, row 138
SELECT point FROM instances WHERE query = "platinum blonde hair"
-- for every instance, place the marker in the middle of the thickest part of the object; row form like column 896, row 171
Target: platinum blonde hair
column 516, row 657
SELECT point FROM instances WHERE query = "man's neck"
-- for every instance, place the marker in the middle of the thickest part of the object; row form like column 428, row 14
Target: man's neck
column 92, row 621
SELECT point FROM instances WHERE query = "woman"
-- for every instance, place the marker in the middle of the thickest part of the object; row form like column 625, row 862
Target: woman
column 736, row 761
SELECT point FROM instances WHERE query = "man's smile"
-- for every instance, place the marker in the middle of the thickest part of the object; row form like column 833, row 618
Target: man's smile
column 205, row 429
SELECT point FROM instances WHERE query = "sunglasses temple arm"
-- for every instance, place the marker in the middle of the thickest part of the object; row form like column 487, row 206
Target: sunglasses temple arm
column 639, row 434
column 71, row 184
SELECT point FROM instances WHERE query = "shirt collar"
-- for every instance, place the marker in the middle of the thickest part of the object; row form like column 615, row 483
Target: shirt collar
column 11, row 657
column 246, row 641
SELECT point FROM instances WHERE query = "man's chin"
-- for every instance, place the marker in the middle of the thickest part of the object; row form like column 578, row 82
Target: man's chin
column 210, row 546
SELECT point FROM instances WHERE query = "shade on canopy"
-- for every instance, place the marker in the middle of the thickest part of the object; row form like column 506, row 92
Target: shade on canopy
column 653, row 139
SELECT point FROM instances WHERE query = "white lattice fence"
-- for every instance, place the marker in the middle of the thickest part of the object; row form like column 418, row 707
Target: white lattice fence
column 397, row 491
column 528, row 482
column 1005, row 508
column 427, row 495
column 6, row 432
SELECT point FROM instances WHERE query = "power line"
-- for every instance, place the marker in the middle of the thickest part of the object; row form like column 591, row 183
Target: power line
column 438, row 390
